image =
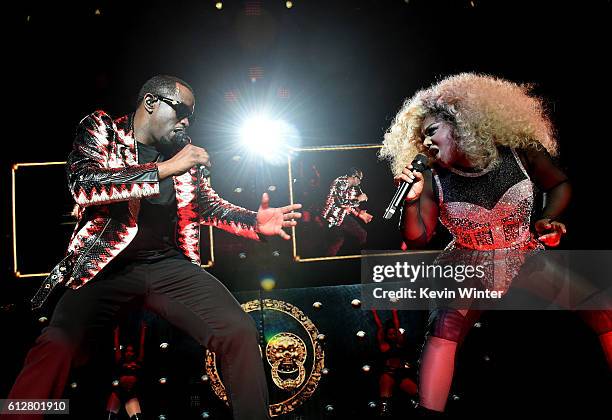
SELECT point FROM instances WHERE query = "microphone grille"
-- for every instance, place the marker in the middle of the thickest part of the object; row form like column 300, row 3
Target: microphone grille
column 420, row 162
column 181, row 139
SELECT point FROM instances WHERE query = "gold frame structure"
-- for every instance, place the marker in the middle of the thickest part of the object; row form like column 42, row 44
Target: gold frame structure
column 16, row 272
column 296, row 256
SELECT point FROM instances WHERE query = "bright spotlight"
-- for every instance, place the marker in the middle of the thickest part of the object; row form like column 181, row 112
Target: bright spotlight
column 259, row 134
column 268, row 138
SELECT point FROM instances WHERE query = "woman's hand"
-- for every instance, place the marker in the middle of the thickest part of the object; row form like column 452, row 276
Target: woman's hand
column 550, row 233
column 410, row 175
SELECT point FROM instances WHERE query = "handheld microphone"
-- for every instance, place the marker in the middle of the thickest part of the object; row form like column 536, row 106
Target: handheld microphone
column 419, row 164
column 181, row 139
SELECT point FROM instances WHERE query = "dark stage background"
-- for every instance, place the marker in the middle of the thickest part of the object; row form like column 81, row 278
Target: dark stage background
column 338, row 71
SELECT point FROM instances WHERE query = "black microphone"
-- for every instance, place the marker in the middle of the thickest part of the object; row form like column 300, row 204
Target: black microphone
column 181, row 139
column 419, row 164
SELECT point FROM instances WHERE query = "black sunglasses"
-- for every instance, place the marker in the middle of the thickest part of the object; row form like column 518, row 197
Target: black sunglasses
column 181, row 110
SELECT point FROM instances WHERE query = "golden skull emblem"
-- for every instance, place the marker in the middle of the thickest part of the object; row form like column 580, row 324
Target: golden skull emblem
column 286, row 354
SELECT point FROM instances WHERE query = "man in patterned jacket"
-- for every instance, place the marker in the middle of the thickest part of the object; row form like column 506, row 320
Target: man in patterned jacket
column 137, row 240
column 344, row 197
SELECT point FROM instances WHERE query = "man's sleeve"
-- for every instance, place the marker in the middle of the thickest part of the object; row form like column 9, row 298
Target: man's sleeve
column 342, row 193
column 90, row 179
column 217, row 212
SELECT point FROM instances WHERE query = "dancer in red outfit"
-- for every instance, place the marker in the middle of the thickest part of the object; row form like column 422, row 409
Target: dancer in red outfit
column 129, row 368
column 397, row 369
column 491, row 144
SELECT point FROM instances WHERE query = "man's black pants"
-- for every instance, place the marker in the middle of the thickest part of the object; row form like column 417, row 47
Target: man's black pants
column 181, row 292
column 349, row 227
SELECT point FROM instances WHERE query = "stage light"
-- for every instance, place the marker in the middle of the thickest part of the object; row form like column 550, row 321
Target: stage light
column 325, row 371
column 237, row 190
column 74, row 385
column 360, row 334
column 262, row 135
column 253, row 8
column 289, row 4
column 163, row 346
column 371, row 404
column 256, row 73
column 219, row 5
column 269, row 138
column 162, row 381
column 317, row 305
column 242, row 255
column 276, row 253
column 366, row 368
column 205, row 378
column 272, row 188
column 283, row 93
column 321, row 337
column 42, row 319
column 356, row 303
column 97, row 12
column 115, row 383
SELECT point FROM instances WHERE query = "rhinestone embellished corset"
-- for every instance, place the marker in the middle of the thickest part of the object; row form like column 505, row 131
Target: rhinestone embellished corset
column 495, row 207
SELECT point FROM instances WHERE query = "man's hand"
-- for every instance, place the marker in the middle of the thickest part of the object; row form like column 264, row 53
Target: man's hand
column 365, row 216
column 272, row 220
column 362, row 197
column 550, row 232
column 188, row 157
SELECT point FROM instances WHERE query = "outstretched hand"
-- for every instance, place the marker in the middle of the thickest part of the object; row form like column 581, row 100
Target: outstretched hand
column 272, row 220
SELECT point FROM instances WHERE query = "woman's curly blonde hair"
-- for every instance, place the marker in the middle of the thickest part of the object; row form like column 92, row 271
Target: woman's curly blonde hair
column 485, row 111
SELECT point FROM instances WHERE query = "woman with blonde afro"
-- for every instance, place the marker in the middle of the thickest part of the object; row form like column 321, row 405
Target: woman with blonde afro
column 490, row 145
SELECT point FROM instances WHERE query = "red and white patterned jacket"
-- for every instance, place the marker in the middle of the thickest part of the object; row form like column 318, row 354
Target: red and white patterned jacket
column 341, row 200
column 107, row 184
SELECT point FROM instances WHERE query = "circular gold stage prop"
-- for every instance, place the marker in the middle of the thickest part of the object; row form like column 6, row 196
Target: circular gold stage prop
column 293, row 353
